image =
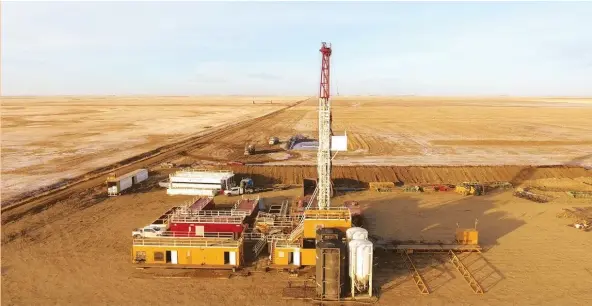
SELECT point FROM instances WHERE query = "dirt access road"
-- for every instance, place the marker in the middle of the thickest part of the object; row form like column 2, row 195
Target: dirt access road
column 70, row 188
column 414, row 131
column 44, row 137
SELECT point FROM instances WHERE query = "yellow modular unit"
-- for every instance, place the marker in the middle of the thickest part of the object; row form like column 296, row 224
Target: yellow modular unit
column 334, row 218
column 467, row 236
column 308, row 257
column 287, row 256
column 198, row 252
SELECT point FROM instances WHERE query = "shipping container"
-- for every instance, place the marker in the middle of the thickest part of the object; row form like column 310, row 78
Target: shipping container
column 208, row 221
column 139, row 176
column 117, row 184
column 199, row 228
column 188, row 252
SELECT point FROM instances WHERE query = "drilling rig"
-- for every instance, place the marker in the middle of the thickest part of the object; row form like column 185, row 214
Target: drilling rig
column 325, row 132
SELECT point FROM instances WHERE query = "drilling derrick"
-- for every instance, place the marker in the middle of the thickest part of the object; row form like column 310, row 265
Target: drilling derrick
column 325, row 132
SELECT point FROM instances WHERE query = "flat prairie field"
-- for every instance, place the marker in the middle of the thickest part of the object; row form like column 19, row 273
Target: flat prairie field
column 47, row 139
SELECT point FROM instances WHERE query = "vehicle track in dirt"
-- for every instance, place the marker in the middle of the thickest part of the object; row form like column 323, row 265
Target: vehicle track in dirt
column 44, row 197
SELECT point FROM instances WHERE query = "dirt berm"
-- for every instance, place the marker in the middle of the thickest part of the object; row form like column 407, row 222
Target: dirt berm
column 362, row 175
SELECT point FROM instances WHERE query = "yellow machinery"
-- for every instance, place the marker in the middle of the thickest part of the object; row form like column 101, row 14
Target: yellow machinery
column 467, row 188
column 191, row 252
column 382, row 186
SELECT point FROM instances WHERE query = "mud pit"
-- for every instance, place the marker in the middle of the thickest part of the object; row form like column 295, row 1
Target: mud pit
column 532, row 256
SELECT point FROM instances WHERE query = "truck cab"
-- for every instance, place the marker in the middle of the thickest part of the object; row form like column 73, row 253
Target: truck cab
column 245, row 186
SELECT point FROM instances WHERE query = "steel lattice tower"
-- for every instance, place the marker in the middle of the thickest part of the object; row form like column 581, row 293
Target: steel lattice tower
column 325, row 132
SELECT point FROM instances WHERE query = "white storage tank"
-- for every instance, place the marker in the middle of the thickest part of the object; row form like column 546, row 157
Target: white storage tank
column 361, row 253
column 356, row 233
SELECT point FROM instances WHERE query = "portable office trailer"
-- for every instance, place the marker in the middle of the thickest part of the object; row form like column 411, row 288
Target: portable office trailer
column 198, row 229
column 117, row 184
column 287, row 256
column 208, row 221
column 188, row 252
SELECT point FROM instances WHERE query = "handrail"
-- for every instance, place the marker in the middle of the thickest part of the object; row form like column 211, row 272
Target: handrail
column 187, row 242
column 326, row 214
column 196, row 235
column 253, row 236
column 200, row 171
column 286, row 244
column 203, row 213
column 312, row 198
column 208, row 219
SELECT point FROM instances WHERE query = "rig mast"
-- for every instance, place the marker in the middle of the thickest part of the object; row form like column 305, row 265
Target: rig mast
column 325, row 132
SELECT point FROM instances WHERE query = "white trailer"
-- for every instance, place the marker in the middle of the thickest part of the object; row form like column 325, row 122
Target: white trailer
column 117, row 184
column 199, row 182
column 192, row 191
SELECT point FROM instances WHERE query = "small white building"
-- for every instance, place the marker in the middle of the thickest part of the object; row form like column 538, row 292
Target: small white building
column 117, row 184
column 199, row 182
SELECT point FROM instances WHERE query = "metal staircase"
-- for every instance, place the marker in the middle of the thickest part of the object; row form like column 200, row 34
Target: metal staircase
column 465, row 273
column 298, row 231
column 419, row 281
column 259, row 246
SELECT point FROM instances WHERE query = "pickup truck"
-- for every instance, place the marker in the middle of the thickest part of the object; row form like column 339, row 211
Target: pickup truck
column 146, row 232
column 237, row 191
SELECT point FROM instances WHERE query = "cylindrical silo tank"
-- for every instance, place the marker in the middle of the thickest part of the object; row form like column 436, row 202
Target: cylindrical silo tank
column 362, row 252
column 356, row 233
column 352, row 247
column 328, row 233
column 331, row 269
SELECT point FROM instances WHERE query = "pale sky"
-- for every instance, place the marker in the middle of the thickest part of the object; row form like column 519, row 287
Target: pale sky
column 271, row 48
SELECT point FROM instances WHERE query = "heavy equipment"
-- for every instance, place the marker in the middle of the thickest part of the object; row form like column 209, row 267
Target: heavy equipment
column 249, row 149
column 470, row 188
column 273, row 140
column 525, row 193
